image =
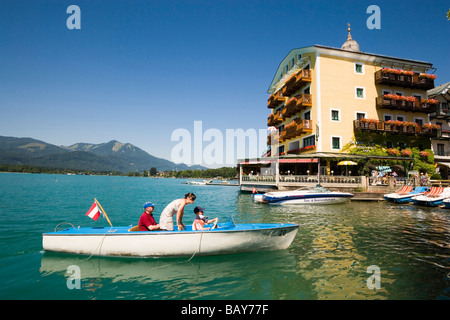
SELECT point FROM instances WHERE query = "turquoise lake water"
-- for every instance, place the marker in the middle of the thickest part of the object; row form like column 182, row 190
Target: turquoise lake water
column 329, row 258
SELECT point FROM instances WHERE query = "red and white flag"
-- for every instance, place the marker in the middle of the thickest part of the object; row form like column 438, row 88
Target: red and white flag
column 254, row 190
column 94, row 212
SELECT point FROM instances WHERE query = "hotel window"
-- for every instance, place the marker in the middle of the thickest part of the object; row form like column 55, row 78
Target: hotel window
column 359, row 68
column 292, row 62
column 307, row 115
column 335, row 115
column 335, row 143
column 307, row 90
column 419, row 121
column 385, row 92
column 360, row 94
column 360, row 115
column 400, row 118
column 387, row 117
column 440, row 149
column 280, row 149
column 295, row 145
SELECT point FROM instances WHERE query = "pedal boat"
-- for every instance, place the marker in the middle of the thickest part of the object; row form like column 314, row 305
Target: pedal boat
column 432, row 198
column 405, row 194
column 227, row 238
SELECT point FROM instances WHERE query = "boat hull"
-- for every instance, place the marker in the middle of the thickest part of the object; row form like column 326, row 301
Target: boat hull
column 399, row 198
column 120, row 242
column 446, row 203
column 258, row 198
column 428, row 201
column 309, row 199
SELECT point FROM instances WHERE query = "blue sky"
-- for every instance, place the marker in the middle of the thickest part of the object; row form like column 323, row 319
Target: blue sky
column 138, row 70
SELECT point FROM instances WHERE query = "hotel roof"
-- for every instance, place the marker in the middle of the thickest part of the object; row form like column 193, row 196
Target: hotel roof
column 350, row 49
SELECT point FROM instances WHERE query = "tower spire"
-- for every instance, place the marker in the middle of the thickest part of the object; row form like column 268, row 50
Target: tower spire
column 350, row 44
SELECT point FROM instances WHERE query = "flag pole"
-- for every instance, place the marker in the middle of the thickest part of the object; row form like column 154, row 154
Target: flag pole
column 106, row 216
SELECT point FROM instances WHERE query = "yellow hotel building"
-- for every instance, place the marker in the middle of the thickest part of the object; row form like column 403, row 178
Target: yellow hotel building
column 323, row 100
column 319, row 94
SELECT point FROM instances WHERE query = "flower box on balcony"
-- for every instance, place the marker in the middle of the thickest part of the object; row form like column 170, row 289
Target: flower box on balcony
column 396, row 77
column 393, row 152
column 423, row 81
column 308, row 148
column 430, row 130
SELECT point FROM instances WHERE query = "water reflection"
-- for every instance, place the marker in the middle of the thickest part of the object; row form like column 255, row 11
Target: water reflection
column 336, row 244
column 263, row 275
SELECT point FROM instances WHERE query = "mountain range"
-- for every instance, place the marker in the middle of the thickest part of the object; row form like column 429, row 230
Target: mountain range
column 106, row 157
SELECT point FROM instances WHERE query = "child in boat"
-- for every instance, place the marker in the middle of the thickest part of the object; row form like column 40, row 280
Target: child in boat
column 201, row 220
column 147, row 222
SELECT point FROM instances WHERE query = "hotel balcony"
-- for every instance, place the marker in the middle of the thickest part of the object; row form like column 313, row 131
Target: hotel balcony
column 275, row 100
column 274, row 138
column 296, row 82
column 442, row 112
column 296, row 104
column 405, row 104
column 395, row 127
column 406, row 79
column 274, row 119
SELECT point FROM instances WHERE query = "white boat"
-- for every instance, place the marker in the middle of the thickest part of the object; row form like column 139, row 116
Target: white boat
column 307, row 195
column 405, row 194
column 446, row 202
column 198, row 183
column 258, row 198
column 122, row 241
column 432, row 198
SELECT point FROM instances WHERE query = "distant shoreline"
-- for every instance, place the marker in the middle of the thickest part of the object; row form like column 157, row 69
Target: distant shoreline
column 223, row 173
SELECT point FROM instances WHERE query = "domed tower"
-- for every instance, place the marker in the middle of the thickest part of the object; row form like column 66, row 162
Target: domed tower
column 350, row 44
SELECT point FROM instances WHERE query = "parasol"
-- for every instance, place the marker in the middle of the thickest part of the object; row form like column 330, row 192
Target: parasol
column 346, row 163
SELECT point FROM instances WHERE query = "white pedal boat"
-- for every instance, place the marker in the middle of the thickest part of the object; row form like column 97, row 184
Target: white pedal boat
column 121, row 241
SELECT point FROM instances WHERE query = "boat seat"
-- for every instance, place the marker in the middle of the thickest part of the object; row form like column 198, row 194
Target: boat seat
column 135, row 228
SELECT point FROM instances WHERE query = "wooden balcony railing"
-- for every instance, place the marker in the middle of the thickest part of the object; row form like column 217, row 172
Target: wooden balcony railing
column 401, row 78
column 274, row 119
column 275, row 100
column 405, row 104
column 296, row 104
column 297, row 128
column 296, row 82
column 274, row 138
column 396, row 127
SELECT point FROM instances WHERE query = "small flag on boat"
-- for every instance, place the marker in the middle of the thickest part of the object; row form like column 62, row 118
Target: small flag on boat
column 254, row 190
column 94, row 212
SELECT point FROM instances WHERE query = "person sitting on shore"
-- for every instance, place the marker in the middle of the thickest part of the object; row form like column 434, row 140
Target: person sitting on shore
column 147, row 222
column 201, row 220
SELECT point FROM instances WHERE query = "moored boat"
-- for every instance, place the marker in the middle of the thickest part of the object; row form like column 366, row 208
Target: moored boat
column 307, row 195
column 446, row 203
column 405, row 194
column 432, row 198
column 122, row 241
column 258, row 198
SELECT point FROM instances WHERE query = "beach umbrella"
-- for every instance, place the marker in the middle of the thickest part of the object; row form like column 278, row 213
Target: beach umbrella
column 346, row 163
